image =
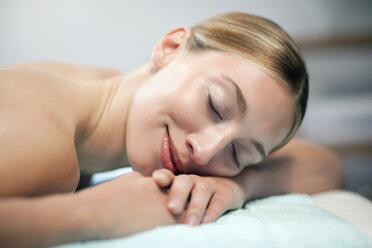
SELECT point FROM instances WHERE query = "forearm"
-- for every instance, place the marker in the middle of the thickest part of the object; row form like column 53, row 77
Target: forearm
column 298, row 167
column 120, row 207
column 41, row 222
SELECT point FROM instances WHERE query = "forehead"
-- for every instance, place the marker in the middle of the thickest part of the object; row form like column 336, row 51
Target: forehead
column 269, row 104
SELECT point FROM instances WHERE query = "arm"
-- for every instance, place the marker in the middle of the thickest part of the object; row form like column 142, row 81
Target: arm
column 38, row 159
column 113, row 209
column 73, row 71
column 298, row 167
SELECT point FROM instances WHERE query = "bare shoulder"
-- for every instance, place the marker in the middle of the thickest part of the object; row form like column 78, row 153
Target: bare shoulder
column 72, row 71
column 37, row 128
column 28, row 91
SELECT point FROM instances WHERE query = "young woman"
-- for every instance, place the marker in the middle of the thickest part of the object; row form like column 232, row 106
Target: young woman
column 207, row 118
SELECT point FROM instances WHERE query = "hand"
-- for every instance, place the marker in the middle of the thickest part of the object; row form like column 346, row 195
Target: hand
column 203, row 198
column 125, row 205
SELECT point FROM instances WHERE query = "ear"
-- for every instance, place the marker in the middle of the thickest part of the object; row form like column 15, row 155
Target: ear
column 169, row 46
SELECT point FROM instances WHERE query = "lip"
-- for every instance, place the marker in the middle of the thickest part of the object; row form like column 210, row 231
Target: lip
column 166, row 153
column 177, row 161
column 169, row 154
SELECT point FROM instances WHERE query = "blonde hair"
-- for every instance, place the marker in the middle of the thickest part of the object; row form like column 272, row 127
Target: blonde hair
column 262, row 42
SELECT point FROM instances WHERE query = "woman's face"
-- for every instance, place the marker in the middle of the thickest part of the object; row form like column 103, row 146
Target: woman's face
column 206, row 113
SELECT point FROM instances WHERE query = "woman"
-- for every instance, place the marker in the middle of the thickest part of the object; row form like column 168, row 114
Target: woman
column 214, row 100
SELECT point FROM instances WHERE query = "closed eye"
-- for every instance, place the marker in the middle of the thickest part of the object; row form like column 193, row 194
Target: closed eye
column 234, row 156
column 213, row 108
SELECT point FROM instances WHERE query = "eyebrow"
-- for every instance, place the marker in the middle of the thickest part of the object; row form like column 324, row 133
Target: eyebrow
column 260, row 149
column 242, row 105
column 240, row 100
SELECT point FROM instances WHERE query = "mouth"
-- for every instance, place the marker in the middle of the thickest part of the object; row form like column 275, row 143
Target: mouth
column 168, row 154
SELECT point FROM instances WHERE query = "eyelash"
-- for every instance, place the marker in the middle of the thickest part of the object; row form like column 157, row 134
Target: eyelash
column 234, row 156
column 213, row 108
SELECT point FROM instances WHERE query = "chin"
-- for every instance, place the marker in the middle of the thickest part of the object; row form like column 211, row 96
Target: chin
column 142, row 151
column 144, row 167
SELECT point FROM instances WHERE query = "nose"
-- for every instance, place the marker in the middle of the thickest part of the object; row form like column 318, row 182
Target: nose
column 205, row 144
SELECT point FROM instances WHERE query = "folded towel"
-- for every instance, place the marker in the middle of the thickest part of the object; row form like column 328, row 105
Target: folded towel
column 278, row 221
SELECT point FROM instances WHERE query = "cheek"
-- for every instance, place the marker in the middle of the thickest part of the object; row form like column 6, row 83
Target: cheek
column 145, row 127
column 148, row 106
column 220, row 165
column 188, row 111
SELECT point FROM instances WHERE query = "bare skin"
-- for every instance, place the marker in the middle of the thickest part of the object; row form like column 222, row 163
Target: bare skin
column 114, row 209
column 58, row 120
column 42, row 113
column 48, row 129
column 73, row 110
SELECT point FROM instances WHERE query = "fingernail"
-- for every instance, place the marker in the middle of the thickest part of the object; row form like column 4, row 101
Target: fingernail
column 159, row 175
column 174, row 204
column 192, row 220
column 206, row 219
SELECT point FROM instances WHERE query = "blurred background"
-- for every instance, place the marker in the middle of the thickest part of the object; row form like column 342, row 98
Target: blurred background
column 335, row 37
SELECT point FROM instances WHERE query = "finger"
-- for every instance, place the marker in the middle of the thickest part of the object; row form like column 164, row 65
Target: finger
column 217, row 206
column 200, row 197
column 179, row 193
column 163, row 177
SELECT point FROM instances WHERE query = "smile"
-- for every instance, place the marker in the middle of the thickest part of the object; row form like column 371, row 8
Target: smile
column 168, row 154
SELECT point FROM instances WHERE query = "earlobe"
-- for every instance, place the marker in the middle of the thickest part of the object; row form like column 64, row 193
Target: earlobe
column 166, row 49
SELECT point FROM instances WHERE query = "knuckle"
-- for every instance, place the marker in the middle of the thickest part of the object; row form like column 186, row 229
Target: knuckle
column 193, row 176
column 219, row 203
column 203, row 188
column 226, row 193
column 209, row 181
column 183, row 178
column 198, row 205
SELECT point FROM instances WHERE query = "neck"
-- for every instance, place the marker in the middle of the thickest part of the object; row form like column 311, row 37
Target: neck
column 103, row 145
